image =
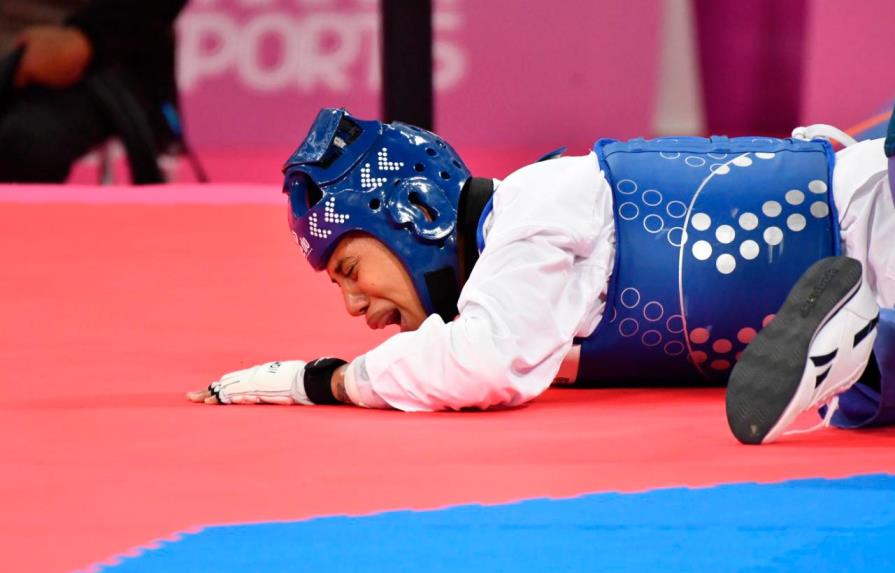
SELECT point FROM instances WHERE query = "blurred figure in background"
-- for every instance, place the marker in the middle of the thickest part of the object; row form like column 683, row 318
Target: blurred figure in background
column 76, row 72
column 744, row 48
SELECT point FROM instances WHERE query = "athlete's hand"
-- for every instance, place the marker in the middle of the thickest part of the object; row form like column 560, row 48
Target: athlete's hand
column 271, row 383
column 55, row 56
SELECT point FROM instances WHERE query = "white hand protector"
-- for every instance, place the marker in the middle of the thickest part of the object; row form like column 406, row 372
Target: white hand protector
column 271, row 383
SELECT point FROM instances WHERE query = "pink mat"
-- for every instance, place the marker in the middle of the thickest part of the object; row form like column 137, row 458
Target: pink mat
column 111, row 312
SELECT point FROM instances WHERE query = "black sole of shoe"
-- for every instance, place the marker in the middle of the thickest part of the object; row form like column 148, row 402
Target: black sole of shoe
column 767, row 375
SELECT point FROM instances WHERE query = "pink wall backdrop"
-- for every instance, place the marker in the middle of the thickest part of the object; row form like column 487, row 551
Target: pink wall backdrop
column 553, row 73
column 515, row 78
column 509, row 73
column 850, row 61
column 751, row 60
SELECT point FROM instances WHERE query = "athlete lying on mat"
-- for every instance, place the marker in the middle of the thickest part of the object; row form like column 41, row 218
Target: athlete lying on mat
column 646, row 261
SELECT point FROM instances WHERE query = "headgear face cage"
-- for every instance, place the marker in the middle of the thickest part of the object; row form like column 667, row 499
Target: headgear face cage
column 396, row 182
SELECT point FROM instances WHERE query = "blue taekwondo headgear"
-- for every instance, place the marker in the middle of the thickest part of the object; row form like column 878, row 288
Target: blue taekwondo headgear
column 399, row 183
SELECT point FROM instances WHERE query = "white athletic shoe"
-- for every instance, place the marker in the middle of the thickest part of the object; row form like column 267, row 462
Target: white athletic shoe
column 816, row 348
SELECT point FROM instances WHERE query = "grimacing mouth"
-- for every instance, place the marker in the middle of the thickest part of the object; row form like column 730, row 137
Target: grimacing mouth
column 386, row 318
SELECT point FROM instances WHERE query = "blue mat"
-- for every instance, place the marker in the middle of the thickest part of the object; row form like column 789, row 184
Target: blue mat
column 805, row 525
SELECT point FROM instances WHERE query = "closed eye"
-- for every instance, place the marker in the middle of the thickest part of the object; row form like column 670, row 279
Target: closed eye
column 346, row 268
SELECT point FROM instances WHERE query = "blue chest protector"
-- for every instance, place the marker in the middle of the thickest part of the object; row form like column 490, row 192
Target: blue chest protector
column 710, row 236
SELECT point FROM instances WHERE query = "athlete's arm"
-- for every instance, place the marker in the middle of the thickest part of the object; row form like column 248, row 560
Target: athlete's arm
column 53, row 56
column 533, row 290
column 337, row 385
column 325, row 381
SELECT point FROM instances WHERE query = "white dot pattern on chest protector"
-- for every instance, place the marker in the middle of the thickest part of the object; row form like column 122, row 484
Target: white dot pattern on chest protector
column 649, row 323
column 676, row 209
column 674, row 348
column 771, row 208
column 701, row 222
column 677, row 236
column 628, row 211
column 795, row 197
column 626, row 187
column 725, row 234
column 729, row 242
column 748, row 221
column 630, row 297
column 628, row 327
column 749, row 249
column 773, row 236
column 702, row 250
column 653, row 223
column 726, row 264
column 651, row 197
column 651, row 338
column 796, row 222
column 675, row 324
column 819, row 209
column 653, row 311
column 817, row 186
column 649, row 203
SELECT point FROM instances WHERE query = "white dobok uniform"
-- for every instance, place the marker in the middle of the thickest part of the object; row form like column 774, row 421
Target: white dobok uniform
column 542, row 280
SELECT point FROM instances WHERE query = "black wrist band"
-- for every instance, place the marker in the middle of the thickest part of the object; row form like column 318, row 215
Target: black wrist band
column 318, row 380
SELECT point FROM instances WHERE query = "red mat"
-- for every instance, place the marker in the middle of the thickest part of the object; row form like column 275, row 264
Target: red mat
column 111, row 312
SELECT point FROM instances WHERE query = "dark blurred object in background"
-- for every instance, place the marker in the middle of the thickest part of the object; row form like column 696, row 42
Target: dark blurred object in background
column 407, row 88
column 751, row 59
column 90, row 70
column 17, row 15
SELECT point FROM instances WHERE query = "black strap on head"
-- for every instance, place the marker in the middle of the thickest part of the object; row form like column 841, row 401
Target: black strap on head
column 444, row 290
column 443, row 284
column 475, row 195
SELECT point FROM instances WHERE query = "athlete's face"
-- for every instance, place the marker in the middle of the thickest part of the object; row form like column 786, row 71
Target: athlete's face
column 374, row 283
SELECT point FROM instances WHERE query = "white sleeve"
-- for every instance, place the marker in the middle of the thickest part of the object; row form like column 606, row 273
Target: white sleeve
column 535, row 286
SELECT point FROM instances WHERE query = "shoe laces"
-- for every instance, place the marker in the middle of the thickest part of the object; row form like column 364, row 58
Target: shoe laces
column 822, row 130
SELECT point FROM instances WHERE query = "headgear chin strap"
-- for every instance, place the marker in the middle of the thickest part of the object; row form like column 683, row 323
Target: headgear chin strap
column 396, row 182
